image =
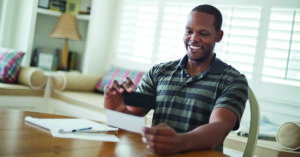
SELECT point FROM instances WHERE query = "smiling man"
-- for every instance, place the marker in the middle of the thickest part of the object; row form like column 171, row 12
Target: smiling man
column 199, row 98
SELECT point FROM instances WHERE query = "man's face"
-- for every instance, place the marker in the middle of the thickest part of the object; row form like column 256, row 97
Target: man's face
column 200, row 36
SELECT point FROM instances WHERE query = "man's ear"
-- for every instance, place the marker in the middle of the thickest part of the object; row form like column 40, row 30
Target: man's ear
column 219, row 36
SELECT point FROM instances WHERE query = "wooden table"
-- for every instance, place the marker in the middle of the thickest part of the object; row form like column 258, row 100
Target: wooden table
column 18, row 138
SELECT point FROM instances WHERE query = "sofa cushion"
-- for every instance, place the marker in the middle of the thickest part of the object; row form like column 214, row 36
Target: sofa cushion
column 119, row 74
column 74, row 81
column 90, row 100
column 32, row 76
column 288, row 135
column 19, row 90
column 10, row 64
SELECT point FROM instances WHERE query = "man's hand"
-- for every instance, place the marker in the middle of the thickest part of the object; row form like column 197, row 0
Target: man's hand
column 162, row 139
column 113, row 95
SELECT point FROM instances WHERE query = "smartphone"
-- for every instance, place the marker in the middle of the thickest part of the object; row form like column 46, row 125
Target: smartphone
column 136, row 99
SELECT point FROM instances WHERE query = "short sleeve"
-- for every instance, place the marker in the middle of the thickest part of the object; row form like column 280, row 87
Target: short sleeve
column 234, row 97
column 147, row 83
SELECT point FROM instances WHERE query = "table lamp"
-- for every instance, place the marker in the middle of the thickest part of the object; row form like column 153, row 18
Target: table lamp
column 66, row 28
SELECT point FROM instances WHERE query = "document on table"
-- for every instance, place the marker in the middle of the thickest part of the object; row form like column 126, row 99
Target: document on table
column 64, row 128
column 87, row 136
column 125, row 121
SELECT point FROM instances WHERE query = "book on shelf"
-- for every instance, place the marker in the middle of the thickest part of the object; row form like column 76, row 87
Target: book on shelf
column 54, row 5
column 58, row 5
column 72, row 60
column 67, row 6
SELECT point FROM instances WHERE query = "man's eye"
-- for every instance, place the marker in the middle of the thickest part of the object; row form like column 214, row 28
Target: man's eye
column 203, row 34
column 189, row 32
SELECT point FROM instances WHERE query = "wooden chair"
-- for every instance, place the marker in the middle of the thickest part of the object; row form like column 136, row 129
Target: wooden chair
column 254, row 124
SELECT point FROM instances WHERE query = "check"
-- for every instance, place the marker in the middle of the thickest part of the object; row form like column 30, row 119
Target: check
column 125, row 121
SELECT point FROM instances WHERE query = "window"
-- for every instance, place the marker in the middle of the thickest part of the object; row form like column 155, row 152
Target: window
column 137, row 33
column 170, row 42
column 238, row 46
column 282, row 55
column 151, row 32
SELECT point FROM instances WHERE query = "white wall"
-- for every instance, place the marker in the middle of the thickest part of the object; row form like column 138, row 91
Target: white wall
column 99, row 39
column 6, row 23
column 25, row 21
column 17, row 26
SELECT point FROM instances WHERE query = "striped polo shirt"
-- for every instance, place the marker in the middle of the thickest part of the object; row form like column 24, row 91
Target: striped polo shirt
column 184, row 102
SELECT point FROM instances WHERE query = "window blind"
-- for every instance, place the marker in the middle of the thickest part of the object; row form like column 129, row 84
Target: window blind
column 137, row 33
column 282, row 55
column 138, row 44
column 238, row 46
column 171, row 46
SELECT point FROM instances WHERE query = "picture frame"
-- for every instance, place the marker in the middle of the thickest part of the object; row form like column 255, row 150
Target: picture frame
column 47, row 58
column 44, row 4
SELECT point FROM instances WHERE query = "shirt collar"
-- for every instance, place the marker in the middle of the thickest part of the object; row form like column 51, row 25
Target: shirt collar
column 217, row 66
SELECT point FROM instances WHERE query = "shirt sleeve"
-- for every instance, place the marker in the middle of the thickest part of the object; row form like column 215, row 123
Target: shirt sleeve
column 147, row 84
column 234, row 97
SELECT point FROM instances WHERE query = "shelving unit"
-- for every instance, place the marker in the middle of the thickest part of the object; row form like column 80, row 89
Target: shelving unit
column 45, row 23
column 55, row 13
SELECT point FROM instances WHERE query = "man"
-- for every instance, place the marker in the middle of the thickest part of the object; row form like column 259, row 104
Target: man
column 199, row 98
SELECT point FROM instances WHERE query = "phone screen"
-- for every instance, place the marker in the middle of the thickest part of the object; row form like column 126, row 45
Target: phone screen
column 139, row 100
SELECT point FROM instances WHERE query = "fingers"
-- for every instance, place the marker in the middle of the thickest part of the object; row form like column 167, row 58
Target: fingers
column 128, row 84
column 114, row 88
column 160, row 129
column 159, row 148
column 157, row 134
column 160, row 139
column 117, row 87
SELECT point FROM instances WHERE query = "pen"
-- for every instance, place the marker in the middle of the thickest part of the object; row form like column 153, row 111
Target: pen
column 75, row 130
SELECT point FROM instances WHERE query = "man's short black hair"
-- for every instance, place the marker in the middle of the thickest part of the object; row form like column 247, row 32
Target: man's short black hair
column 209, row 9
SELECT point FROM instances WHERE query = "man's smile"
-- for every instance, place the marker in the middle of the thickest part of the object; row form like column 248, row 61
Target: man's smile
column 195, row 47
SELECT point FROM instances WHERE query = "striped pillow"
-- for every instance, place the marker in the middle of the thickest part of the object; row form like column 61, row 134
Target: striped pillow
column 10, row 64
column 119, row 74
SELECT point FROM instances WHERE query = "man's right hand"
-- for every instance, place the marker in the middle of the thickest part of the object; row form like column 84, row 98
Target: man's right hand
column 113, row 95
column 113, row 98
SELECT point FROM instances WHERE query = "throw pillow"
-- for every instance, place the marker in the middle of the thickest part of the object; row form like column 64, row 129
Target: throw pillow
column 10, row 64
column 288, row 135
column 32, row 76
column 74, row 81
column 119, row 74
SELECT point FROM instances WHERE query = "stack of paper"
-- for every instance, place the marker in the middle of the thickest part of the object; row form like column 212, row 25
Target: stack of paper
column 67, row 128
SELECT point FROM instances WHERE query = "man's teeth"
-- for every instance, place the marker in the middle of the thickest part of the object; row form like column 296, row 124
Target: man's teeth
column 194, row 47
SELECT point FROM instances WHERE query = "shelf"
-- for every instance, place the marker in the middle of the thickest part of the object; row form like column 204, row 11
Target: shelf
column 55, row 13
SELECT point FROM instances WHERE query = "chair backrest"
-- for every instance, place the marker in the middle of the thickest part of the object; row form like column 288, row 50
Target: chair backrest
column 254, row 125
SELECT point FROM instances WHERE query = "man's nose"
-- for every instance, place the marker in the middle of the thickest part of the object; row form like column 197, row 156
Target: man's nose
column 194, row 37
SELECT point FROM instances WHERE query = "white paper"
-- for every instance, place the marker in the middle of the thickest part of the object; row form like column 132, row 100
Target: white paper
column 68, row 124
column 56, row 125
column 125, row 121
column 87, row 136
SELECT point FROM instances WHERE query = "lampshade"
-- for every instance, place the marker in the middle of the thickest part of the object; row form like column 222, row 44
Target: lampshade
column 66, row 27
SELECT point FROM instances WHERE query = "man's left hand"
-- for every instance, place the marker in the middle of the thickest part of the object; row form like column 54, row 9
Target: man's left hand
column 161, row 139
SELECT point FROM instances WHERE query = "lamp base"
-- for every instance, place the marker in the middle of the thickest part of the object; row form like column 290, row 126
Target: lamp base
column 64, row 56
